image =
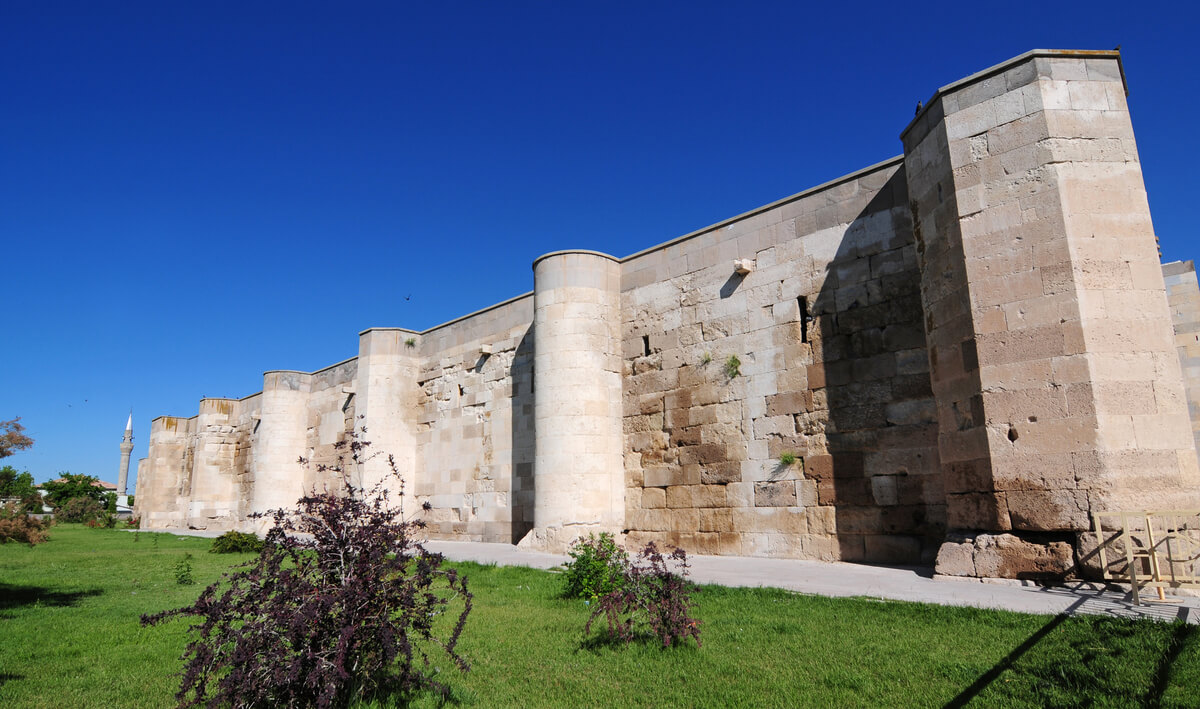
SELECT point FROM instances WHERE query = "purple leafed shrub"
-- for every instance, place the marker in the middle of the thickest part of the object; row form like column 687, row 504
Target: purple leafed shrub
column 654, row 596
column 343, row 603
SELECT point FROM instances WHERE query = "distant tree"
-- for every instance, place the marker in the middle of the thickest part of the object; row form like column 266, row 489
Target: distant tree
column 20, row 485
column 70, row 485
column 11, row 437
column 14, row 484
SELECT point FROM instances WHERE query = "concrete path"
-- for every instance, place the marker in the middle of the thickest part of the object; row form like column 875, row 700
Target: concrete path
column 839, row 580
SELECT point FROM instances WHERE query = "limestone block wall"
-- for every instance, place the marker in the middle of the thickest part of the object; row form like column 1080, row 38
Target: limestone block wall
column 833, row 371
column 330, row 411
column 474, row 425
column 1183, row 298
column 245, row 417
column 1057, row 384
column 959, row 353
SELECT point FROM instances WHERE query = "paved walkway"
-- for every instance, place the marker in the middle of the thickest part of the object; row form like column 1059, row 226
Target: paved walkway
column 901, row 584
column 838, row 580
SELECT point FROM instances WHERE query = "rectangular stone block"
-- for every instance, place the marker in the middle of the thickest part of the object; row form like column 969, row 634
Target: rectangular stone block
column 721, row 473
column 716, row 520
column 775, row 494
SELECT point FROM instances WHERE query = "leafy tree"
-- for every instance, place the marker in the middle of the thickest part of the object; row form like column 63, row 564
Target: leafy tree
column 78, row 509
column 70, row 485
column 11, row 437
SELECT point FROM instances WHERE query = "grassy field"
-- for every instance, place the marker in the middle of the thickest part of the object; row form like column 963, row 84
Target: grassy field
column 69, row 637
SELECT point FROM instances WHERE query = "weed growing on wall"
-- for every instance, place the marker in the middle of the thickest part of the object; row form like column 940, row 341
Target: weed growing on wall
column 786, row 458
column 342, row 604
column 733, row 366
column 654, row 598
column 597, row 567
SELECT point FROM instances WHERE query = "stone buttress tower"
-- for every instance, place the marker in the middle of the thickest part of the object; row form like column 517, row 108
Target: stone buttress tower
column 578, row 469
column 1058, row 389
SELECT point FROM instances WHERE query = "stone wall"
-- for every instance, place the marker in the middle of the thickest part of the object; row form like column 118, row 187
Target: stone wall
column 241, row 456
column 1183, row 297
column 959, row 353
column 833, row 373
column 474, row 429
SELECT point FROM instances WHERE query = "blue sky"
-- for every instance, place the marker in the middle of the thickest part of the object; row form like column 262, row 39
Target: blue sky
column 194, row 193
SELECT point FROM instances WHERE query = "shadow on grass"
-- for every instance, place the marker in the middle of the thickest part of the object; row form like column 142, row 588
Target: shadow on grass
column 1183, row 632
column 991, row 675
column 607, row 640
column 13, row 596
column 1087, row 661
column 5, row 677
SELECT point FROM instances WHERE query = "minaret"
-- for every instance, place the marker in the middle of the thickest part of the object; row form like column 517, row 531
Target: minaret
column 123, row 475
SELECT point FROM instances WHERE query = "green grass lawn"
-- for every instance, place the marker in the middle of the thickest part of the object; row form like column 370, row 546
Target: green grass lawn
column 69, row 637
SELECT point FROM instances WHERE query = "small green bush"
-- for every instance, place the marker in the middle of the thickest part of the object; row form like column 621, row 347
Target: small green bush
column 78, row 509
column 183, row 571
column 236, row 543
column 787, row 458
column 596, row 568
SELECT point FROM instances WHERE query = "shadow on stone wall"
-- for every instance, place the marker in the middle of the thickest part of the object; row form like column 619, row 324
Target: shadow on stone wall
column 870, row 370
column 521, row 495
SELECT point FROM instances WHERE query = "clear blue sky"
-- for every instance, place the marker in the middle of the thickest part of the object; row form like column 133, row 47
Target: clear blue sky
column 193, row 193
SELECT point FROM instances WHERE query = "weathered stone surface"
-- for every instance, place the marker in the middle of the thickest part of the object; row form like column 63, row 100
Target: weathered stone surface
column 975, row 336
column 775, row 494
column 956, row 558
column 1005, row 556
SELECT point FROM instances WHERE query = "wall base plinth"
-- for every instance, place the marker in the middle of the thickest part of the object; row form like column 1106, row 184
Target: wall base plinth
column 556, row 540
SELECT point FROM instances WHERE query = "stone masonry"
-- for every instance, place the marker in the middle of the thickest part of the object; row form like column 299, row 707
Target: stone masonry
column 1183, row 297
column 950, row 357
